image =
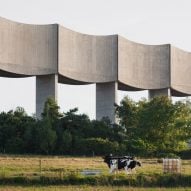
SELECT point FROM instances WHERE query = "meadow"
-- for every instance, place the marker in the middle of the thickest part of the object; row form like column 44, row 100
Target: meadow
column 66, row 173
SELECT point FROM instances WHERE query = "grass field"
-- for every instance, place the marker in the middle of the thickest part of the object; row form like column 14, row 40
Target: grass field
column 85, row 188
column 31, row 165
column 64, row 173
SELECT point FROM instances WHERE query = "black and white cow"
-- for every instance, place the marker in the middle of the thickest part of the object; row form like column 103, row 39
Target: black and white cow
column 119, row 163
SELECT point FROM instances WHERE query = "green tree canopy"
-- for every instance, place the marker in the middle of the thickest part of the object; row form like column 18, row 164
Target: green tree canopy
column 155, row 126
column 51, row 110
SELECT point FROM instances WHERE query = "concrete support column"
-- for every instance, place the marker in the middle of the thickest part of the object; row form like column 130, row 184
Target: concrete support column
column 106, row 97
column 159, row 92
column 46, row 86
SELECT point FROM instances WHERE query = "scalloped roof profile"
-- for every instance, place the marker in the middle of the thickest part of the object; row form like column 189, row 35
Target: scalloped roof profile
column 33, row 50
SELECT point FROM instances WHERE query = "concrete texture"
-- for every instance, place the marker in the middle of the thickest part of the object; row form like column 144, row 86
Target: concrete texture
column 143, row 66
column 180, row 72
column 87, row 58
column 55, row 54
column 106, row 97
column 160, row 92
column 28, row 50
column 46, row 86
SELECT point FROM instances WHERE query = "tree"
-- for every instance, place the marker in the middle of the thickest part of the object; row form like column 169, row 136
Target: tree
column 45, row 137
column 100, row 146
column 51, row 110
column 164, row 125
column 72, row 126
column 127, row 116
column 13, row 126
column 126, row 112
column 155, row 126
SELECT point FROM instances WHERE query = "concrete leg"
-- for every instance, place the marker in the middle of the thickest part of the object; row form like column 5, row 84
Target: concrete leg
column 160, row 92
column 46, row 86
column 106, row 96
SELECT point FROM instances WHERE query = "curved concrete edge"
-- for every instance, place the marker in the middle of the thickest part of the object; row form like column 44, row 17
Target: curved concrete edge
column 180, row 71
column 69, row 81
column 124, row 87
column 12, row 75
column 176, row 93
column 87, row 58
column 159, row 92
column 35, row 50
column 28, row 49
column 143, row 66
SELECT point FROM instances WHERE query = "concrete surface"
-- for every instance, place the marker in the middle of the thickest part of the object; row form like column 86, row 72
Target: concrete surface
column 106, row 97
column 160, row 92
column 87, row 58
column 28, row 50
column 46, row 86
column 55, row 54
column 180, row 72
column 143, row 66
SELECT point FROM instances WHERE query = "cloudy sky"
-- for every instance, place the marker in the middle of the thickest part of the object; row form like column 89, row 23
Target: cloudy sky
column 143, row 21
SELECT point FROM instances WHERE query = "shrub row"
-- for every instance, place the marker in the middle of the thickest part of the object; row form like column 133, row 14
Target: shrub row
column 141, row 180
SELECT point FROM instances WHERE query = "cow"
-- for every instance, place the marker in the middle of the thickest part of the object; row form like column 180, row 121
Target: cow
column 119, row 163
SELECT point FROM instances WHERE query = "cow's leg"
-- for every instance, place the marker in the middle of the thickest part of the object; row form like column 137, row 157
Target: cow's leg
column 133, row 170
column 111, row 169
column 126, row 169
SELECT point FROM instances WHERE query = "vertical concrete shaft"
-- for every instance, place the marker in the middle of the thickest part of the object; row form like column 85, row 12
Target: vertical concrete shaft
column 160, row 92
column 106, row 97
column 46, row 86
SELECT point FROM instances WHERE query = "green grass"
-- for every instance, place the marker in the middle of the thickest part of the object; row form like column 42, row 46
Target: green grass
column 58, row 172
column 86, row 188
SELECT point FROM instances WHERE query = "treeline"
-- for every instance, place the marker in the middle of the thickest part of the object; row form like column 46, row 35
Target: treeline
column 57, row 133
column 157, row 127
column 145, row 128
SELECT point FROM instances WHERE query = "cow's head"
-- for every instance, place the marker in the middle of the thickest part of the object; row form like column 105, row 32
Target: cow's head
column 107, row 159
column 138, row 163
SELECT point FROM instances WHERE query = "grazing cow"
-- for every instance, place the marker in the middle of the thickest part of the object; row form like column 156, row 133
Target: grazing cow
column 118, row 163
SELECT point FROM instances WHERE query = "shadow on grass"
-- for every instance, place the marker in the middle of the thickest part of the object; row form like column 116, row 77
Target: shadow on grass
column 141, row 180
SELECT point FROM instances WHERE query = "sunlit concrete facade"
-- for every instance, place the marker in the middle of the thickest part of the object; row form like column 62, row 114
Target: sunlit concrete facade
column 55, row 54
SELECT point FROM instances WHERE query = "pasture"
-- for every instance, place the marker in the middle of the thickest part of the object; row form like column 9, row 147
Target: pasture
column 58, row 173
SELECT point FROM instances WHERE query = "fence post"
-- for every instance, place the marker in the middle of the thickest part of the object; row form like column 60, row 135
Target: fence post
column 40, row 166
column 60, row 174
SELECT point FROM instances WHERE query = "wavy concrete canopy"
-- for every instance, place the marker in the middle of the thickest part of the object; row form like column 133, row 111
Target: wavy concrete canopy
column 32, row 50
column 87, row 58
column 55, row 54
column 143, row 66
column 180, row 72
column 27, row 50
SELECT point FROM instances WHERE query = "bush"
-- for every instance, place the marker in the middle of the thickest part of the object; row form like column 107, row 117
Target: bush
column 100, row 146
column 141, row 180
column 185, row 154
column 168, row 155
